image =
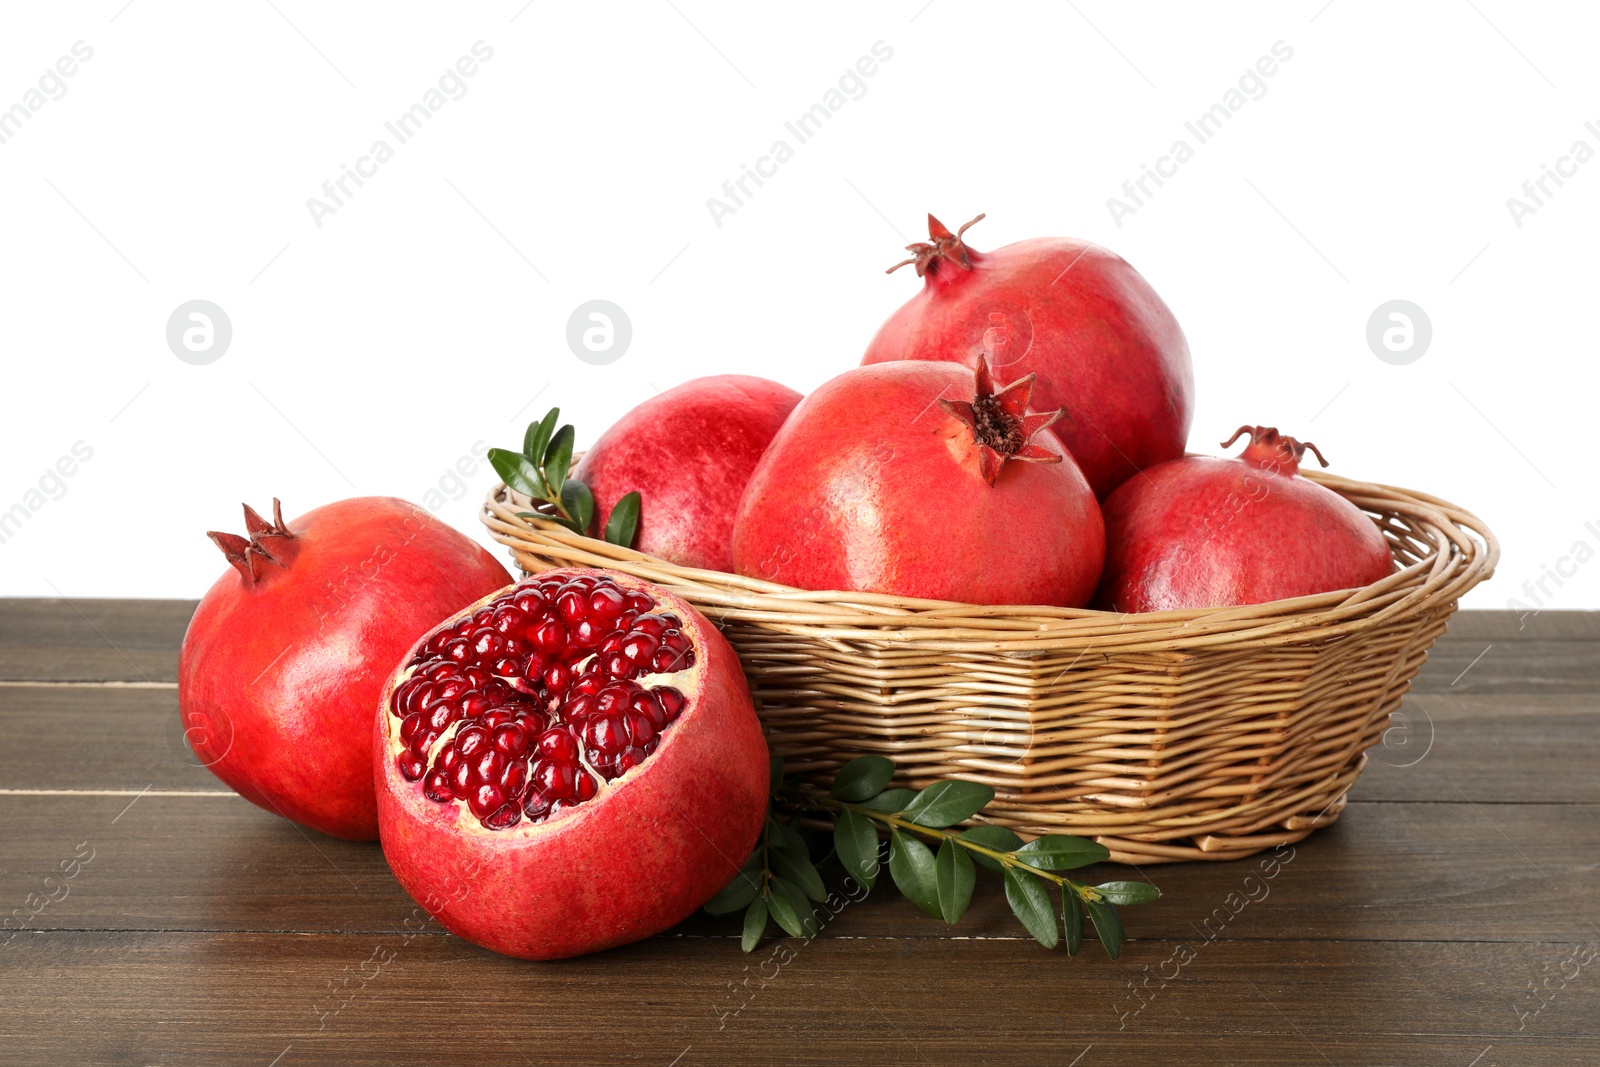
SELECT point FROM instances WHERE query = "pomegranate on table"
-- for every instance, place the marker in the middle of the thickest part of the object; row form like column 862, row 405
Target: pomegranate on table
column 1105, row 347
column 288, row 652
column 899, row 478
column 591, row 787
column 688, row 453
column 1204, row 532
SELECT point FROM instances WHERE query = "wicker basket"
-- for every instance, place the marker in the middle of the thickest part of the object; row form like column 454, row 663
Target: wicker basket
column 1166, row 736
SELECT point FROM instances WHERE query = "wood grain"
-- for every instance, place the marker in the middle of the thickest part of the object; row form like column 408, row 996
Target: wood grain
column 1435, row 924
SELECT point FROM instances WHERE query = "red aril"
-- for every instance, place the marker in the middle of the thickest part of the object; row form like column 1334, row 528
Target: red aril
column 1104, row 346
column 288, row 652
column 688, row 452
column 1204, row 532
column 594, row 787
column 897, row 478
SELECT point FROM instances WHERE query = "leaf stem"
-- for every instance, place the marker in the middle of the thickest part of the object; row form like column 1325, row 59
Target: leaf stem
column 817, row 798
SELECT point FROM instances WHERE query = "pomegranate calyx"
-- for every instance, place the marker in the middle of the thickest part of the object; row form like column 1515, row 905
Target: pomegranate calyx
column 941, row 244
column 1001, row 425
column 250, row 555
column 1269, row 449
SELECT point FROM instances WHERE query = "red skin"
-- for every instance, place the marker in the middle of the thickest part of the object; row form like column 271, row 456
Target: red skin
column 870, row 485
column 689, row 453
column 1104, row 345
column 277, row 679
column 652, row 846
column 1202, row 532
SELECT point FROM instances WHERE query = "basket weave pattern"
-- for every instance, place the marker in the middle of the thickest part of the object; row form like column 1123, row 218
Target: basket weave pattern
column 1206, row 734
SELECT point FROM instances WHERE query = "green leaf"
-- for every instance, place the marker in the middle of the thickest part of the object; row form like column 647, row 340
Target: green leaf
column 755, row 924
column 515, row 470
column 775, row 763
column 1108, row 924
column 800, row 871
column 537, row 438
column 947, row 803
column 955, row 876
column 579, row 502
column 1127, row 892
column 737, row 893
column 1031, row 904
column 1059, row 852
column 786, row 838
column 793, row 903
column 856, row 842
column 996, row 838
column 890, row 801
column 912, row 867
column 558, row 457
column 861, row 779
column 624, row 520
column 1072, row 916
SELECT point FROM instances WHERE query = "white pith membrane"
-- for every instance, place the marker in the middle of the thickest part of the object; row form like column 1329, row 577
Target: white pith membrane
column 607, row 756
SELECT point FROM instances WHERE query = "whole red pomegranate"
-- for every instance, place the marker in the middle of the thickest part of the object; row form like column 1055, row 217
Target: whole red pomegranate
column 287, row 654
column 689, row 453
column 897, row 478
column 589, row 791
column 1103, row 344
column 1204, row 532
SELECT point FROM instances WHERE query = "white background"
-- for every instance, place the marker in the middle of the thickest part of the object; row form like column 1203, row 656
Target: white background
column 428, row 314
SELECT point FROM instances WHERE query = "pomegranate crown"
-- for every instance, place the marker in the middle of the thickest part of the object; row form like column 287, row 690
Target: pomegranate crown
column 1270, row 449
column 941, row 244
column 1000, row 423
column 251, row 555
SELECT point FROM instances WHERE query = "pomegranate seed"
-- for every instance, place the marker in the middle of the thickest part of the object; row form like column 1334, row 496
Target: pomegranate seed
column 618, row 666
column 527, row 603
column 558, row 745
column 587, row 685
column 536, row 804
column 410, row 766
column 477, row 677
column 471, row 741
column 674, row 639
column 640, row 728
column 450, row 689
column 505, row 818
column 670, row 620
column 639, row 602
column 672, row 701
column 612, row 643
column 511, row 739
column 488, row 766
column 436, row 787
column 665, row 661
column 613, row 698
column 423, row 741
column 409, row 727
column 487, row 645
column 448, row 759
column 629, row 759
column 497, row 717
column 555, row 780
column 580, row 707
column 461, row 780
column 485, row 799
column 507, row 621
column 586, row 786
column 458, row 649
column 571, row 603
column 607, row 601
column 605, row 735
column 650, row 624
column 506, row 665
column 638, row 646
column 514, row 779
column 558, row 677
column 587, row 633
column 645, row 703
column 550, row 636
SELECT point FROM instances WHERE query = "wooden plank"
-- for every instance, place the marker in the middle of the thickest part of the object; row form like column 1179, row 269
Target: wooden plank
column 59, row 640
column 1542, row 749
column 1529, row 748
column 1513, row 872
column 1517, row 626
column 360, row 999
column 1473, row 666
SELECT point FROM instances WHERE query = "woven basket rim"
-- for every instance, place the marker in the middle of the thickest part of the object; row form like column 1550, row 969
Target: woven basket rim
column 1457, row 551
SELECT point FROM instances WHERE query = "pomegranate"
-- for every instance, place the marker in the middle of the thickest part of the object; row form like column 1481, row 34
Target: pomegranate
column 1103, row 344
column 288, row 652
column 571, row 764
column 689, row 453
column 1204, row 532
column 897, row 478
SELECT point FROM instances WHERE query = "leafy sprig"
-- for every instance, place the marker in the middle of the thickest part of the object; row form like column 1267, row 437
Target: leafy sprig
column 540, row 472
column 780, row 880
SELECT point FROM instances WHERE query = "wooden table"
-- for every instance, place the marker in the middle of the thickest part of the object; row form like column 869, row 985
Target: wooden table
column 1451, row 918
